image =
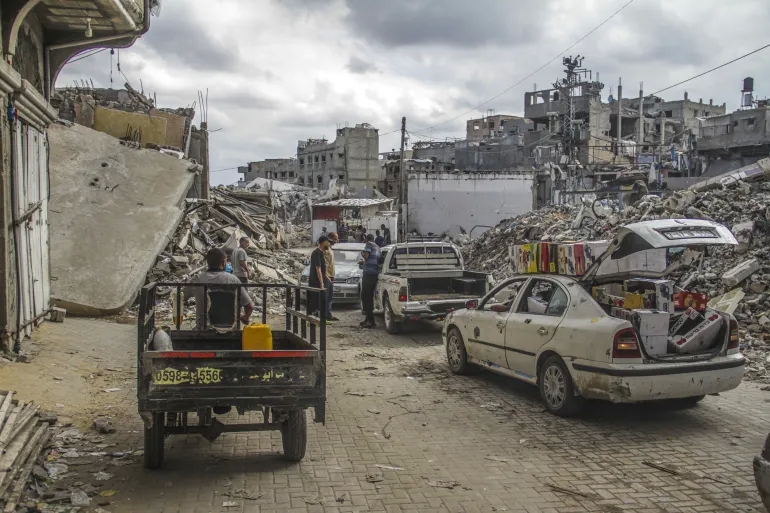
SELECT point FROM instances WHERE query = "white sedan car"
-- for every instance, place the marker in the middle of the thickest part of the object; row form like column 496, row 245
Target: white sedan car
column 549, row 331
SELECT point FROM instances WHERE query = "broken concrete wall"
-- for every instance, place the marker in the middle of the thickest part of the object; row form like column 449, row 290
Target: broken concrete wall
column 452, row 202
column 113, row 209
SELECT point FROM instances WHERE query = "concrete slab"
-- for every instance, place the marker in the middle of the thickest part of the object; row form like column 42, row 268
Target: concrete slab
column 112, row 210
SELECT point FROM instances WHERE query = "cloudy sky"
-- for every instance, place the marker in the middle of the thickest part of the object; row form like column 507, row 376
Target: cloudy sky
column 279, row 71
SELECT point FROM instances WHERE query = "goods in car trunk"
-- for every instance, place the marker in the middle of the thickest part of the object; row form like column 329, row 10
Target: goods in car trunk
column 660, row 292
column 621, row 313
column 572, row 261
column 652, row 327
column 684, row 300
column 684, row 322
column 700, row 338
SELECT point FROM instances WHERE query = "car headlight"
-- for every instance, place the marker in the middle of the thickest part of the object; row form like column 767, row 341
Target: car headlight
column 353, row 281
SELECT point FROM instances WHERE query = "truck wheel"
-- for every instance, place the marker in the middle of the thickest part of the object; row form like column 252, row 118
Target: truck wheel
column 392, row 325
column 556, row 388
column 294, row 435
column 456, row 356
column 154, row 440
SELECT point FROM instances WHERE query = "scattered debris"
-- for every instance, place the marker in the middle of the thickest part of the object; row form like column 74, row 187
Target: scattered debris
column 566, row 490
column 448, row 484
column 102, row 425
column 659, row 466
column 243, row 494
column 374, row 478
column 497, row 458
column 388, row 467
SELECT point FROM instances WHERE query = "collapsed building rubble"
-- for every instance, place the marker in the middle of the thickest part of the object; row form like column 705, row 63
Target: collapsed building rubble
column 742, row 204
column 230, row 214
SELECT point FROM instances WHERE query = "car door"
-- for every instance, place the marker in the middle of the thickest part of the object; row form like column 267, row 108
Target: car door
column 488, row 323
column 533, row 324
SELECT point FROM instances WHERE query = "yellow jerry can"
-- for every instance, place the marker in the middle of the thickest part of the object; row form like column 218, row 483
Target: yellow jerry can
column 257, row 337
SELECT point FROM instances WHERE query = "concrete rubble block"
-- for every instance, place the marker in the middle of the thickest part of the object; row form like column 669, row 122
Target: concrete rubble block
column 740, row 272
column 743, row 234
column 58, row 314
column 179, row 261
column 163, row 266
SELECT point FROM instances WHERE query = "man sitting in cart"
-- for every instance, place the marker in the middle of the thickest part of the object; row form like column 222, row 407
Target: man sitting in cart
column 221, row 301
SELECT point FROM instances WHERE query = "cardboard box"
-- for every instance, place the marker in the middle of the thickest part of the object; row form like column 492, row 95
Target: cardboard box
column 593, row 250
column 633, row 301
column 621, row 313
column 523, row 258
column 651, row 322
column 684, row 300
column 687, row 320
column 655, row 345
column 699, row 338
column 566, row 259
column 662, row 292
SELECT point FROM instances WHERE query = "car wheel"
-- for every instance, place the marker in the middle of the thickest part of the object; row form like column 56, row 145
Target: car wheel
column 392, row 325
column 456, row 356
column 556, row 388
column 294, row 435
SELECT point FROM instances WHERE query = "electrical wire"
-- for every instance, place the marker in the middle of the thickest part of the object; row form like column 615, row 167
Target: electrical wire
column 87, row 56
column 713, row 69
column 531, row 74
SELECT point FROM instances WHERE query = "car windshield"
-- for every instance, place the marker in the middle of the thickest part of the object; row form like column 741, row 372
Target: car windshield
column 346, row 256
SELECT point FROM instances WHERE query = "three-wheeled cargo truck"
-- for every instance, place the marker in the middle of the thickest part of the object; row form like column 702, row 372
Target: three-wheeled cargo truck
column 207, row 370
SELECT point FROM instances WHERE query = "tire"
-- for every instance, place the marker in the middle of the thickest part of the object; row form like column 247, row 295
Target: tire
column 294, row 435
column 154, row 441
column 556, row 389
column 456, row 355
column 392, row 325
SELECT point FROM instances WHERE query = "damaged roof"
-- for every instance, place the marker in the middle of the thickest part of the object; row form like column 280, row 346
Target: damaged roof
column 356, row 202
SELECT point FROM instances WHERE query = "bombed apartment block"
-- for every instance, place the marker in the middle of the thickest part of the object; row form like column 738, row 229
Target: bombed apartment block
column 284, row 170
column 495, row 125
column 351, row 159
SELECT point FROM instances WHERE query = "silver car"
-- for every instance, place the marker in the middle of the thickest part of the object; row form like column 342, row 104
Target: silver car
column 347, row 274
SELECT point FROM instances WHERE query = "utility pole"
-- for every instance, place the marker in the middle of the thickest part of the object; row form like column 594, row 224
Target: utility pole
column 640, row 137
column 402, row 192
column 620, row 118
column 205, row 181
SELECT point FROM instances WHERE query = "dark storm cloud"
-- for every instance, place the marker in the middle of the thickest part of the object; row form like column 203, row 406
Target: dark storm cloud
column 456, row 23
column 181, row 39
column 360, row 66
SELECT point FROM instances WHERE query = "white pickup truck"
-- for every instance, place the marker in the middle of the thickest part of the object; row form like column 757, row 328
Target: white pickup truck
column 423, row 281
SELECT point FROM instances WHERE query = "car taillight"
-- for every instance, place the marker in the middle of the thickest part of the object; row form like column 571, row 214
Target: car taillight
column 626, row 344
column 402, row 295
column 735, row 338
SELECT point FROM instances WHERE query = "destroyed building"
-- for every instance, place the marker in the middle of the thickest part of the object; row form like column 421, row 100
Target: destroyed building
column 351, row 159
column 729, row 141
column 38, row 38
column 441, row 152
column 284, row 170
column 125, row 114
column 495, row 125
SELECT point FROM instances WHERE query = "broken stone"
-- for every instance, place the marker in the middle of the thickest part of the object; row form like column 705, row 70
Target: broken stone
column 102, row 425
column 740, row 272
column 179, row 261
column 758, row 287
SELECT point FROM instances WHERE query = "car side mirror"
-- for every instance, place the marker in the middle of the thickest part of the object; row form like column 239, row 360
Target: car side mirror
column 499, row 308
column 307, row 261
column 472, row 304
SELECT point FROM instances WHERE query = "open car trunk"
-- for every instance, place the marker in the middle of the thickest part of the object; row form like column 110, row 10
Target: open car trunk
column 629, row 281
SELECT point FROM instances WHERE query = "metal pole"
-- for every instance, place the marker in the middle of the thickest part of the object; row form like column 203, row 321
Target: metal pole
column 205, row 182
column 620, row 118
column 640, row 137
column 403, row 184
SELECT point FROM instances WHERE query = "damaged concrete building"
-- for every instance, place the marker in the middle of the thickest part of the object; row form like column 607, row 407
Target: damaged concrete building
column 37, row 38
column 351, row 159
column 284, row 170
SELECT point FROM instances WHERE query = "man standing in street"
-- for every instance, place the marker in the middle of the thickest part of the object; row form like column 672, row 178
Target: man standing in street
column 329, row 258
column 317, row 278
column 379, row 239
column 241, row 261
column 386, row 235
column 371, row 256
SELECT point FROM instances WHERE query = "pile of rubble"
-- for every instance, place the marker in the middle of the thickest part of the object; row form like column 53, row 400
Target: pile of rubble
column 743, row 271
column 230, row 214
column 24, row 436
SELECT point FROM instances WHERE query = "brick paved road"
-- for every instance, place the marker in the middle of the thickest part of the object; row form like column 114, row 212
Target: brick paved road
column 453, row 444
